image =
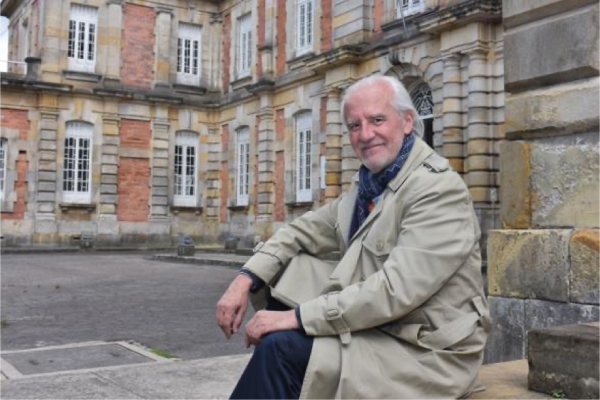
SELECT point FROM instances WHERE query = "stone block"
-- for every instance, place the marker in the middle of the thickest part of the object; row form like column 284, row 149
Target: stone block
column 520, row 12
column 552, row 51
column 107, row 209
column 561, row 110
column 584, row 266
column 507, row 337
column 480, row 146
column 110, row 179
column 109, row 169
column 564, row 180
column 108, row 189
column 564, row 359
column 529, row 264
column 108, row 198
column 479, row 194
column 109, row 159
column 546, row 314
column 515, row 175
column 47, row 145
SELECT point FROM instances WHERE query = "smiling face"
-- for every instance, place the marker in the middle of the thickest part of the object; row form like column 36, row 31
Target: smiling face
column 376, row 130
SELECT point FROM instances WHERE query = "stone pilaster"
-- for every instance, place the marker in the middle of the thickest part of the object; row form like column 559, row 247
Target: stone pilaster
column 159, row 208
column 333, row 145
column 113, row 38
column 47, row 166
column 213, row 174
column 452, row 119
column 109, row 164
column 480, row 177
column 164, row 16
column 266, row 162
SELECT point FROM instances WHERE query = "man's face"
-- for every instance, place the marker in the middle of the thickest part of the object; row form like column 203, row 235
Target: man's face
column 376, row 129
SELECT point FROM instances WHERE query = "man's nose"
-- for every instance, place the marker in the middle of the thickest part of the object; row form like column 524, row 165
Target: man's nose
column 366, row 133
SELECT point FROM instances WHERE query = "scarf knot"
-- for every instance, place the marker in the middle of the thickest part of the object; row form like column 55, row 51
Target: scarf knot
column 371, row 186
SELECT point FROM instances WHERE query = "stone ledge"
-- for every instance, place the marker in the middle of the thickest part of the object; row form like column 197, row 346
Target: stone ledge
column 565, row 359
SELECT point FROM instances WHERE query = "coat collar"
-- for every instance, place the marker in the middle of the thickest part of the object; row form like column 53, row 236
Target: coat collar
column 418, row 154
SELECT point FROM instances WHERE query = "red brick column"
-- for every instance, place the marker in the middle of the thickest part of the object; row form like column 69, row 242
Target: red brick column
column 281, row 36
column 226, row 51
column 326, row 21
column 137, row 53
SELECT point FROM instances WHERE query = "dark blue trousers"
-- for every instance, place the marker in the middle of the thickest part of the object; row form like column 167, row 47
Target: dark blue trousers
column 277, row 367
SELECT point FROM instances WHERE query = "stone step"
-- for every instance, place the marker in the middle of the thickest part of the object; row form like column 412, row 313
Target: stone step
column 564, row 360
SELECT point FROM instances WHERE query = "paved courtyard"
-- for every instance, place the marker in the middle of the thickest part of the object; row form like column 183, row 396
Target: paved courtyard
column 64, row 298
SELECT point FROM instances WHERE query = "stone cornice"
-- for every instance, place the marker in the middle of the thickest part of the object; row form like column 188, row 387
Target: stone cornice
column 340, row 56
column 459, row 15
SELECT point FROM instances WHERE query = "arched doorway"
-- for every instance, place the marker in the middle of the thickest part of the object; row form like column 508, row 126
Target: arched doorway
column 420, row 94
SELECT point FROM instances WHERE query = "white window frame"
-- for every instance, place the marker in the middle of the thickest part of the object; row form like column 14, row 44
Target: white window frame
column 185, row 169
column 244, row 46
column 77, row 175
column 305, row 21
column 189, row 54
column 405, row 8
column 3, row 162
column 82, row 38
column 242, row 182
column 304, row 148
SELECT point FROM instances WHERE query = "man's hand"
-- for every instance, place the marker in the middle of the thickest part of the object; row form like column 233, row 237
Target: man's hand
column 265, row 322
column 232, row 306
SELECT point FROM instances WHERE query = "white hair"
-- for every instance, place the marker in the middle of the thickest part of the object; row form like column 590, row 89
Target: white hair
column 401, row 100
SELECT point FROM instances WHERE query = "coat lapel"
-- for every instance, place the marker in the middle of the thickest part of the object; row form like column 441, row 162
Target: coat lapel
column 419, row 153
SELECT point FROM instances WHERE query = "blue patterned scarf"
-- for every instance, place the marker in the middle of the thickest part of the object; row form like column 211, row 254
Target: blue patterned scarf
column 371, row 185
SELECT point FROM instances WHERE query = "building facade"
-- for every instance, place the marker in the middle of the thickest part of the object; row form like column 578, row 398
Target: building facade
column 134, row 121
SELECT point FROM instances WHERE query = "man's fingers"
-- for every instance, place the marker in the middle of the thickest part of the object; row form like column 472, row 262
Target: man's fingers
column 237, row 322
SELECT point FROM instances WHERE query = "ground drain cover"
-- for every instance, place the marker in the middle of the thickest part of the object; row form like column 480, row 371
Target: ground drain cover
column 75, row 357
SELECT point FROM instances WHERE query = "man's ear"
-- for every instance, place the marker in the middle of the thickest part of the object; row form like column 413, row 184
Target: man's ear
column 409, row 122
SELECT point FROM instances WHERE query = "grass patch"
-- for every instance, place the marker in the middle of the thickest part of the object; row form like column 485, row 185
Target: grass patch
column 162, row 353
column 3, row 324
column 557, row 394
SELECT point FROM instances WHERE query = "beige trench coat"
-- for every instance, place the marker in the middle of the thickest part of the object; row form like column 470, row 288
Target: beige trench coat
column 403, row 314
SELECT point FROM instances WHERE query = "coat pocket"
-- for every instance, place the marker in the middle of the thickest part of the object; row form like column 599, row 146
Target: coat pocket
column 446, row 335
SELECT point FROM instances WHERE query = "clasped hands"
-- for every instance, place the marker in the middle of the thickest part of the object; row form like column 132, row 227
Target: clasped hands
column 232, row 307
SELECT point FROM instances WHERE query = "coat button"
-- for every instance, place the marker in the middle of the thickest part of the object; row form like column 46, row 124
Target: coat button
column 379, row 246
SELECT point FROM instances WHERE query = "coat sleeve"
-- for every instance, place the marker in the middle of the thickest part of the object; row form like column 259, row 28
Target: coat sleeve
column 437, row 234
column 313, row 233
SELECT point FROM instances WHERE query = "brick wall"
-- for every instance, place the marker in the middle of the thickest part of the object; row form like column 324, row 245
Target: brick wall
column 134, row 189
column 377, row 13
column 280, row 169
column 224, row 175
column 20, row 205
column 326, row 26
column 261, row 36
column 135, row 133
column 281, row 35
column 226, row 51
column 137, row 51
column 17, row 119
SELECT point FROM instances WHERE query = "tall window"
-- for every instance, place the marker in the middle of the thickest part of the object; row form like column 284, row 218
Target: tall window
column 185, row 174
column 405, row 8
column 304, row 26
column 304, row 157
column 244, row 45
column 83, row 29
column 242, row 166
column 77, row 163
column 188, row 54
column 422, row 99
column 3, row 148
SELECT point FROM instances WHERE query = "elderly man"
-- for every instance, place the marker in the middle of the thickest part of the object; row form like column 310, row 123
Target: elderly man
column 403, row 314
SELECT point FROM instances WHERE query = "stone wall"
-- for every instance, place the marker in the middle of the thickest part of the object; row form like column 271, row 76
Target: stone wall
column 543, row 266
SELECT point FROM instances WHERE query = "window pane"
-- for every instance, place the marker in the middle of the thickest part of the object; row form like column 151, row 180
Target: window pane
column 72, row 29
column 81, row 44
column 178, row 170
column 179, row 54
column 2, row 164
column 195, row 59
column 91, row 41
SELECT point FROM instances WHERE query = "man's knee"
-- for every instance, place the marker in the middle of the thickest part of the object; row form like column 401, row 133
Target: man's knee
column 290, row 346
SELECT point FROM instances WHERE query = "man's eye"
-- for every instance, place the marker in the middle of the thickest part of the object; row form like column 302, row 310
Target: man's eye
column 378, row 120
column 352, row 127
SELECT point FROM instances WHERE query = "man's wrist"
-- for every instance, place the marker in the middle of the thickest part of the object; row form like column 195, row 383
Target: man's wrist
column 256, row 284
